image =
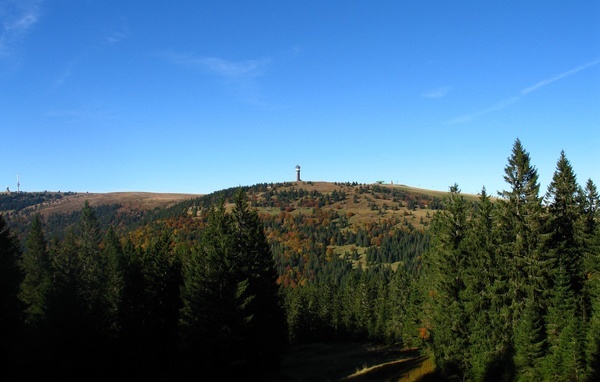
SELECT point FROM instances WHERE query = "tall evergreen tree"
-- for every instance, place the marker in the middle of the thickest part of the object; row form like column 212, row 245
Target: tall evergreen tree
column 486, row 297
column 529, row 342
column 67, row 325
column 11, row 307
column 591, row 205
column 445, row 264
column 77, row 308
column 231, row 313
column 565, row 358
column 91, row 272
column 112, row 252
column 521, row 219
column 404, row 308
column 565, row 237
column 132, row 312
column 591, row 261
column 35, row 287
column 208, row 292
column 161, row 271
column 265, row 332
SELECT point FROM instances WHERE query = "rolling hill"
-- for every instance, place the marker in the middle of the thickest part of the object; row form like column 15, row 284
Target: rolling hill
column 360, row 203
column 47, row 203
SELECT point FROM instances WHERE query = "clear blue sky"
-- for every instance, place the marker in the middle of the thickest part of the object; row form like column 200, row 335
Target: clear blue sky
column 198, row 96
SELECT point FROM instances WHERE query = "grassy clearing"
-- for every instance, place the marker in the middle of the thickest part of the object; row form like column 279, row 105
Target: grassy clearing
column 353, row 362
column 129, row 200
column 439, row 194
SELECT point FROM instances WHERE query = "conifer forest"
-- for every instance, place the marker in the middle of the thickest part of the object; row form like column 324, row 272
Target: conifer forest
column 497, row 287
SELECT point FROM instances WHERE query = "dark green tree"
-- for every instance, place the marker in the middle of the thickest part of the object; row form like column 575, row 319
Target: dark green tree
column 91, row 277
column 521, row 220
column 67, row 325
column 529, row 342
column 591, row 263
column 209, row 296
column 231, row 313
column 564, row 333
column 404, row 308
column 265, row 332
column 564, row 229
column 36, row 285
column 132, row 312
column 161, row 271
column 446, row 265
column 112, row 253
column 11, row 307
column 565, row 243
column 77, row 304
column 591, row 204
column 486, row 297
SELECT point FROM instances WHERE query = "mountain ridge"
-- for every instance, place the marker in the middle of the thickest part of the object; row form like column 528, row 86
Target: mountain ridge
column 383, row 198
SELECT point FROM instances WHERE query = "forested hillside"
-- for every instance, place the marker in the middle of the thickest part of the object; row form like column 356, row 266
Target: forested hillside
column 60, row 210
column 218, row 286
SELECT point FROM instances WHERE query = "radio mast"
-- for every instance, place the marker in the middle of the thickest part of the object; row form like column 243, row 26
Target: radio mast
column 18, row 184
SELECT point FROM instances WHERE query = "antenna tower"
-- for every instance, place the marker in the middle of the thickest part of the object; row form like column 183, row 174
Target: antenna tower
column 18, row 184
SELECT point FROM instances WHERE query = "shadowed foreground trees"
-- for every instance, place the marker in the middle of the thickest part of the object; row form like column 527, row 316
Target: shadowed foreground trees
column 11, row 308
column 92, row 307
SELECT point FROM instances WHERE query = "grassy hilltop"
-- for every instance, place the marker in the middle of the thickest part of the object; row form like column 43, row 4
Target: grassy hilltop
column 365, row 201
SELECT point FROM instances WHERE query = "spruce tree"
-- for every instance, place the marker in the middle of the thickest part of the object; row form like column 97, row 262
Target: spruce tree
column 564, row 231
column 592, row 349
column 11, row 307
column 445, row 265
column 68, row 326
column 208, row 295
column 565, row 358
column 591, row 205
column 35, row 287
column 486, row 297
column 521, row 220
column 231, row 313
column 591, row 261
column 405, row 291
column 132, row 311
column 77, row 308
column 112, row 252
column 161, row 272
column 529, row 342
column 265, row 331
column 91, row 272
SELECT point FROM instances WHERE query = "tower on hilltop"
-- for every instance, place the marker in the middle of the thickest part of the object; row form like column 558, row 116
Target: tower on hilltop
column 297, row 173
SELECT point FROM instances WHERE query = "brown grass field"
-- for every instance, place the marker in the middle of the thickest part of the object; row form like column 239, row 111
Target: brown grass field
column 129, row 200
column 361, row 212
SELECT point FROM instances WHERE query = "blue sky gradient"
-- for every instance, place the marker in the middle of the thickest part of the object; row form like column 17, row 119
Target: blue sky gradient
column 197, row 96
